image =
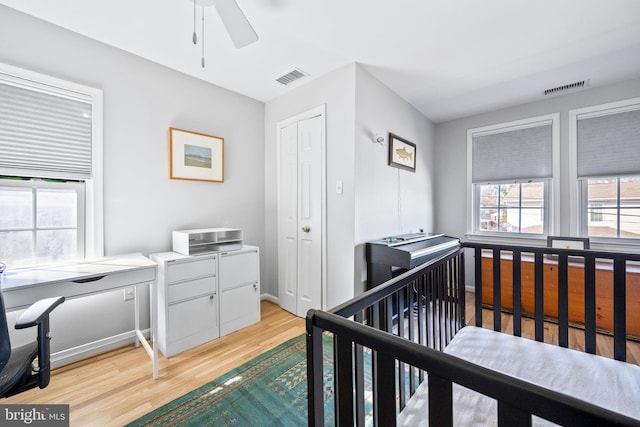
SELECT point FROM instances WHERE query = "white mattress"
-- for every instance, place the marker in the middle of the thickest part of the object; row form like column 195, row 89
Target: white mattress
column 604, row 382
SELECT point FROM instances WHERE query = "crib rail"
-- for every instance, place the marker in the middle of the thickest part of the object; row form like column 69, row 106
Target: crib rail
column 425, row 305
column 517, row 400
column 618, row 262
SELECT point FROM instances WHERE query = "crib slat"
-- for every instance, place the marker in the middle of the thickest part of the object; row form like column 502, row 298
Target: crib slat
column 411, row 332
column 539, row 296
column 563, row 301
column 619, row 310
column 385, row 407
column 478, row 286
column 517, row 293
column 401, row 377
column 497, row 295
column 590, row 305
column 343, row 356
column 315, row 388
column 509, row 416
column 440, row 401
column 359, row 378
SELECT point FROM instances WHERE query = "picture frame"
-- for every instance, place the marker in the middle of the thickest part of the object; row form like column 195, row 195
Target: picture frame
column 195, row 156
column 561, row 242
column 402, row 153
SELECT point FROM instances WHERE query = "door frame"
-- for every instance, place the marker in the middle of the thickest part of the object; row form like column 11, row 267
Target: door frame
column 314, row 112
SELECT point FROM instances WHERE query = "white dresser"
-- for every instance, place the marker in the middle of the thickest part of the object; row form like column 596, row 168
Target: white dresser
column 202, row 297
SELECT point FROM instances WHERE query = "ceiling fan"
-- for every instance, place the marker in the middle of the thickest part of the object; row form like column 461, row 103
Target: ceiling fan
column 236, row 23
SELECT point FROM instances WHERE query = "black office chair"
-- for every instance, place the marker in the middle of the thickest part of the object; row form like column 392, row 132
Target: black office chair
column 17, row 371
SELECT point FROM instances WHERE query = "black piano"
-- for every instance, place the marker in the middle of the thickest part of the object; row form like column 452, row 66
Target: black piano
column 390, row 256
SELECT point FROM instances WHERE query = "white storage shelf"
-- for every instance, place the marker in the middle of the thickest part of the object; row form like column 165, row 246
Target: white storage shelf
column 205, row 240
column 203, row 297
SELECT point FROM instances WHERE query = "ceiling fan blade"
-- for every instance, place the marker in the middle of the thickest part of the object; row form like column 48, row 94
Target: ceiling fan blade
column 237, row 25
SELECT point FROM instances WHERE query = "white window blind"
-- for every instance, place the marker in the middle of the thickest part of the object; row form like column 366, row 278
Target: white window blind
column 609, row 145
column 44, row 131
column 513, row 154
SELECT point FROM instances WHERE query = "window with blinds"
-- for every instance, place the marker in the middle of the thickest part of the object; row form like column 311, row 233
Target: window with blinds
column 607, row 146
column 50, row 135
column 511, row 168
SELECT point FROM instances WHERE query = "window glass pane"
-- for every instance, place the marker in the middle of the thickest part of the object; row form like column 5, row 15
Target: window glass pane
column 16, row 208
column 510, row 220
column 630, row 191
column 17, row 247
column 630, row 223
column 613, row 207
column 488, row 219
column 532, row 220
column 489, row 195
column 56, row 245
column 57, row 208
column 512, row 208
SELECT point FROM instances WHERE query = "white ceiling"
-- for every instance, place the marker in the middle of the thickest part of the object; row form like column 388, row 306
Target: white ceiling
column 449, row 58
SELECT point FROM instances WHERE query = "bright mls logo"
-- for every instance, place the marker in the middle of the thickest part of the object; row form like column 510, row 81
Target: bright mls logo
column 34, row 415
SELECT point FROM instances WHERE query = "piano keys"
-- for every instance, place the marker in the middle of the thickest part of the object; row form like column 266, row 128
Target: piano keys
column 390, row 256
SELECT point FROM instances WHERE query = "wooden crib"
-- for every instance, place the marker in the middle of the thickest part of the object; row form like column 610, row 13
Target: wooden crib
column 400, row 357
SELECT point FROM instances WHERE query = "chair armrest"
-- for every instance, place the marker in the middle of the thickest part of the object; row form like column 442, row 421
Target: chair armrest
column 38, row 311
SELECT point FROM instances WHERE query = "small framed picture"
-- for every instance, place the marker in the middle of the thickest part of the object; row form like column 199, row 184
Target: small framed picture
column 402, row 153
column 195, row 156
column 558, row 242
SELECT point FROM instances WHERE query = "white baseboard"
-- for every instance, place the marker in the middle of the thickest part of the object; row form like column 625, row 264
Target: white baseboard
column 67, row 356
column 269, row 297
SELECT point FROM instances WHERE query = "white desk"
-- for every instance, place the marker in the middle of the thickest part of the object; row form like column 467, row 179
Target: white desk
column 22, row 287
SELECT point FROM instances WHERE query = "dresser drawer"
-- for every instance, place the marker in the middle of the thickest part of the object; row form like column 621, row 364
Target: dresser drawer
column 191, row 288
column 190, row 269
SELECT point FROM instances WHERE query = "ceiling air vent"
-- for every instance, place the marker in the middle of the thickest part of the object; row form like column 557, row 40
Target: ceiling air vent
column 575, row 85
column 291, row 76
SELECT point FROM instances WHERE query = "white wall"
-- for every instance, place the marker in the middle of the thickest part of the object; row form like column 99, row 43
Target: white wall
column 141, row 204
column 336, row 91
column 388, row 200
column 451, row 151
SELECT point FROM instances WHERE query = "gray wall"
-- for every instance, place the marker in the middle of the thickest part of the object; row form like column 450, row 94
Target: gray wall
column 377, row 200
column 336, row 91
column 388, row 200
column 141, row 204
column 451, row 202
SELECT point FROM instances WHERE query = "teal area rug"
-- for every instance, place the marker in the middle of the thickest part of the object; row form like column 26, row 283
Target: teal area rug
column 269, row 390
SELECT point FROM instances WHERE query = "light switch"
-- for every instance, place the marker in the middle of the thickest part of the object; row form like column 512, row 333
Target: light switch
column 338, row 187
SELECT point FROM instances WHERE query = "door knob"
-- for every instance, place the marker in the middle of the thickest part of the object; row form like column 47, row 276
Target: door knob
column 306, row 229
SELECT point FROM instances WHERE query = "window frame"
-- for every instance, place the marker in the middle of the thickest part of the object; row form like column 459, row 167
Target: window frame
column 35, row 184
column 93, row 186
column 579, row 203
column 552, row 185
column 545, row 213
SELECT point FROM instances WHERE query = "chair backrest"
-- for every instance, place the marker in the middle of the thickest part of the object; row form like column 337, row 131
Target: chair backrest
column 5, row 342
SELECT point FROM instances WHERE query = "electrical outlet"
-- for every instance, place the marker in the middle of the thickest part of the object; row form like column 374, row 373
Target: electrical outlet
column 129, row 294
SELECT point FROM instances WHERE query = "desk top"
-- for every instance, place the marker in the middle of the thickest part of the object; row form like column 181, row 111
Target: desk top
column 73, row 271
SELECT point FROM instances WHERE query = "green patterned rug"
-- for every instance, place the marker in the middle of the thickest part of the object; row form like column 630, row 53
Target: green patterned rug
column 269, row 390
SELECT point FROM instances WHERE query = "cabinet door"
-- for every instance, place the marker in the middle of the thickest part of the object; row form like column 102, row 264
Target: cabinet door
column 239, row 307
column 191, row 323
column 238, row 268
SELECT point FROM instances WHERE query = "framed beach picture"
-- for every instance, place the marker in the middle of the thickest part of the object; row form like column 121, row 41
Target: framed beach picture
column 402, row 153
column 195, row 156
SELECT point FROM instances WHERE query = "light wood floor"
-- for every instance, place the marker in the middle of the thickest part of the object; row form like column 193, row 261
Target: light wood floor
column 115, row 388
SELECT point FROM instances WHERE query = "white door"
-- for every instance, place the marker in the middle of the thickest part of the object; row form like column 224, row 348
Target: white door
column 300, row 278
